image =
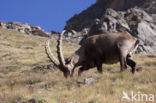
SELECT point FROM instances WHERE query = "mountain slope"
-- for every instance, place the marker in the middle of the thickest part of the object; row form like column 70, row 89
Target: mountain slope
column 24, row 74
column 87, row 17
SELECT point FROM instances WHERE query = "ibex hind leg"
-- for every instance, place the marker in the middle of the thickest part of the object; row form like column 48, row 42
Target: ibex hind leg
column 122, row 57
column 123, row 62
column 132, row 64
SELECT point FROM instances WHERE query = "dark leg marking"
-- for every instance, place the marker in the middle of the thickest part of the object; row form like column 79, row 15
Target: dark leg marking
column 81, row 69
column 132, row 64
column 99, row 67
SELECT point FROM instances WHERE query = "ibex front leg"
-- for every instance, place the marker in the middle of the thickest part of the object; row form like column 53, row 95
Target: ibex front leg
column 99, row 67
column 82, row 69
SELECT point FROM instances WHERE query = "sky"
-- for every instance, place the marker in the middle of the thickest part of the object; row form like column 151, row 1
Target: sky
column 48, row 14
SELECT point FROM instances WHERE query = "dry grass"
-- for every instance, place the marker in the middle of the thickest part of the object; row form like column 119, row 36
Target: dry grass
column 23, row 75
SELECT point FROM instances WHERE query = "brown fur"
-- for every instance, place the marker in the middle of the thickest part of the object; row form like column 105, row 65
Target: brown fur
column 104, row 48
column 107, row 48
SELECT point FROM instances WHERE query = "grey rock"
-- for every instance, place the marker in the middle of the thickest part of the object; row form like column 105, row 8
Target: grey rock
column 24, row 28
column 39, row 33
column 72, row 102
column 3, row 24
column 36, row 28
column 73, row 32
column 147, row 35
column 86, row 81
column 69, row 34
column 133, row 21
column 26, row 47
column 89, row 80
column 136, row 14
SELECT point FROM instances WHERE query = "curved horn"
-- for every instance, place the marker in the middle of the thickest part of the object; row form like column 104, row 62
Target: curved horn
column 59, row 50
column 50, row 54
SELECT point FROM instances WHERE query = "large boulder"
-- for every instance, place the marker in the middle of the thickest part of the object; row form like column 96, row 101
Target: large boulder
column 147, row 35
column 134, row 21
column 40, row 33
column 3, row 24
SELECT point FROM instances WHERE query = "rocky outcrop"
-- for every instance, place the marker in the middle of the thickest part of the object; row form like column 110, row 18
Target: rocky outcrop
column 24, row 28
column 137, row 17
column 134, row 21
column 85, row 19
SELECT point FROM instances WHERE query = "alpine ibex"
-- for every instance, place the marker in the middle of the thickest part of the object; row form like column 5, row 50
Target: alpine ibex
column 105, row 48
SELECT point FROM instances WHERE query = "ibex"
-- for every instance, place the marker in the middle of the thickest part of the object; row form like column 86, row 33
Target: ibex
column 105, row 48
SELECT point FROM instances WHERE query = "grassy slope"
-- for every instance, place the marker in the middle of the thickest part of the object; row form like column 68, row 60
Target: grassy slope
column 22, row 75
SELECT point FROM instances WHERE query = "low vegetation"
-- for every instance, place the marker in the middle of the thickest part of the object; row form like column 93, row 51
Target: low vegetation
column 26, row 73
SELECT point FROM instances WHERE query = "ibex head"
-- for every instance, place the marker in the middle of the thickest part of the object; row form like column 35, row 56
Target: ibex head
column 65, row 68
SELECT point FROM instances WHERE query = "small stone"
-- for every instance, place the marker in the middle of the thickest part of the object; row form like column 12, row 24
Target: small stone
column 26, row 47
column 89, row 80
